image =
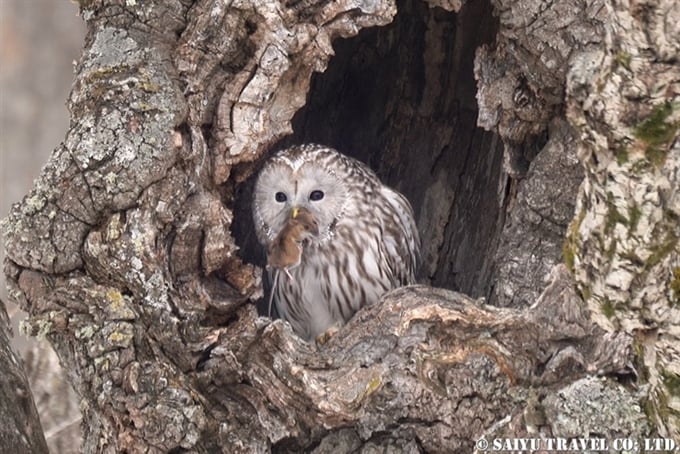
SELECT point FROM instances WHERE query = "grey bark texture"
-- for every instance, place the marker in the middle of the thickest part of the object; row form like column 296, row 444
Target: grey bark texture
column 40, row 40
column 625, row 99
column 133, row 252
column 21, row 431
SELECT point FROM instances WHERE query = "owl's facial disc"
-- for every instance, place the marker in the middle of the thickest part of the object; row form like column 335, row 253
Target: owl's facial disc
column 281, row 188
column 321, row 193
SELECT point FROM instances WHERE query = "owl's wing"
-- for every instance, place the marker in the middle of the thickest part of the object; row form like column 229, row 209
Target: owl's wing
column 400, row 238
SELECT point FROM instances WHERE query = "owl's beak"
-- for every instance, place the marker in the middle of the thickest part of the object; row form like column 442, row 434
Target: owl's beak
column 294, row 212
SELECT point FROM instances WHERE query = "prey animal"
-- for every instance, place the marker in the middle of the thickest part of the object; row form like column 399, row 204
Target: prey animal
column 285, row 251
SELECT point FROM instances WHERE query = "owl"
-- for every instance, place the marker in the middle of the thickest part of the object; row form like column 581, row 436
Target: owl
column 366, row 242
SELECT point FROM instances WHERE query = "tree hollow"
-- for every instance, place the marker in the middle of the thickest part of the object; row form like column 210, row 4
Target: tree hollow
column 401, row 98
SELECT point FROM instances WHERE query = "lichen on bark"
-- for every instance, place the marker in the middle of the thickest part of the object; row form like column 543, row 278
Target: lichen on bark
column 625, row 101
column 123, row 254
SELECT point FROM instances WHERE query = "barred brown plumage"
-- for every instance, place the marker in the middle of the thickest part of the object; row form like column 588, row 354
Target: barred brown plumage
column 367, row 240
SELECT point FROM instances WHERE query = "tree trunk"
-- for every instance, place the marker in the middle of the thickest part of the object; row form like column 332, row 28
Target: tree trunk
column 21, row 431
column 134, row 253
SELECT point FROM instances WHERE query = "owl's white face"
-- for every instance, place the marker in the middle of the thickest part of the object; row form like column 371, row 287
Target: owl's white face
column 284, row 184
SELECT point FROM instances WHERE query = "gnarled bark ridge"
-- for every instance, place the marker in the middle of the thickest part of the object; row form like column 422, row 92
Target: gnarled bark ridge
column 124, row 257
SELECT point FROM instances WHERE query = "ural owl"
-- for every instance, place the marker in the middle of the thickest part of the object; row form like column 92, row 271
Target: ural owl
column 366, row 241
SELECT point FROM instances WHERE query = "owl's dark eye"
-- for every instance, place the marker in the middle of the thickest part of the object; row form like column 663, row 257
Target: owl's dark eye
column 280, row 197
column 316, row 195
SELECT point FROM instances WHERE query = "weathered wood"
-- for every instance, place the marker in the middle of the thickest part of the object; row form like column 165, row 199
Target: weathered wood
column 126, row 253
column 624, row 97
column 425, row 364
column 20, row 431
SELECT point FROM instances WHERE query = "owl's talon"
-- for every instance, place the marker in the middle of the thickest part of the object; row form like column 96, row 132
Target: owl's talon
column 324, row 337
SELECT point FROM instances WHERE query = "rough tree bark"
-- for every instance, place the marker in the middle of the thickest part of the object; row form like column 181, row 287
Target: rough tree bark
column 623, row 243
column 21, row 431
column 133, row 254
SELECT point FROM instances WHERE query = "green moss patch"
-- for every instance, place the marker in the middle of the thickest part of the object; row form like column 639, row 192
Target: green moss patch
column 613, row 218
column 661, row 250
column 634, row 215
column 607, row 308
column 570, row 241
column 675, row 285
column 657, row 133
column 671, row 381
column 623, row 59
column 621, row 155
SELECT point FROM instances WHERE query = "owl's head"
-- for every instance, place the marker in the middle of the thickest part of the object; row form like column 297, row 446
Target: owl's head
column 299, row 177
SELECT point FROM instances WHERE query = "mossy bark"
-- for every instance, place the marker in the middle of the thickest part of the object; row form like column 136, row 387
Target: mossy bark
column 623, row 96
